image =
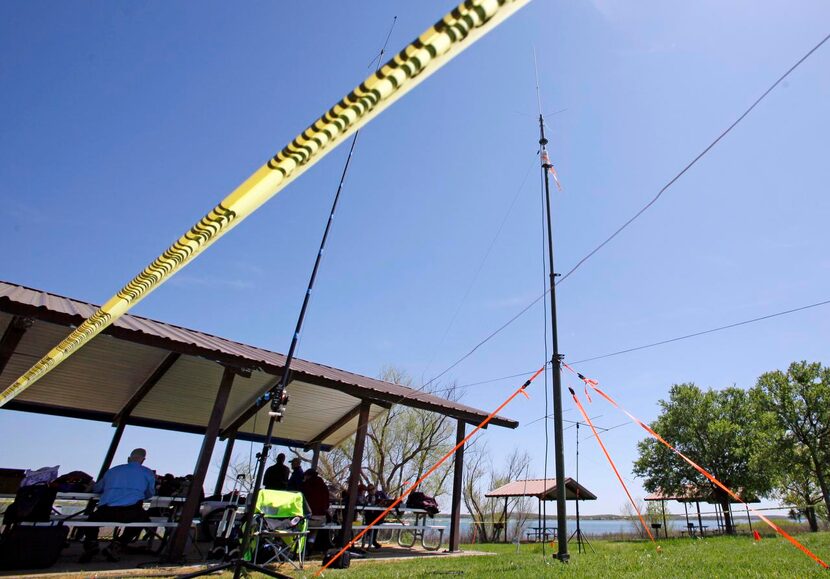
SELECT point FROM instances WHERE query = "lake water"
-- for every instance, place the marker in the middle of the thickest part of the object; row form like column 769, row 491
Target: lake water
column 596, row 527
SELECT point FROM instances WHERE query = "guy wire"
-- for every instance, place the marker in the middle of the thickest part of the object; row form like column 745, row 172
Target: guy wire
column 642, row 210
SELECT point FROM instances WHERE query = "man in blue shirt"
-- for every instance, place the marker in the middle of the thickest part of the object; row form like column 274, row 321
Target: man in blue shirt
column 123, row 488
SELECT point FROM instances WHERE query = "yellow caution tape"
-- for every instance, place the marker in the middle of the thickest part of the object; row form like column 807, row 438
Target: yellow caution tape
column 429, row 52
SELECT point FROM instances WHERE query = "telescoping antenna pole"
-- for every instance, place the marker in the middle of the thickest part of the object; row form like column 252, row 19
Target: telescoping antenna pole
column 278, row 397
column 558, row 445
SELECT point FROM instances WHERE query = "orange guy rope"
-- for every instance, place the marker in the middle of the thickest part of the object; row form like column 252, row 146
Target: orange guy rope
column 520, row 390
column 611, row 462
column 593, row 384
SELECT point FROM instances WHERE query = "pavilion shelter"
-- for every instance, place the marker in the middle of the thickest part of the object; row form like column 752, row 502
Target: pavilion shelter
column 691, row 495
column 142, row 372
column 542, row 490
column 720, row 516
column 696, row 495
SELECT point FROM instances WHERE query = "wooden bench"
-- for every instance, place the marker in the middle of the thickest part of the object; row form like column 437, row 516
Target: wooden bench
column 153, row 523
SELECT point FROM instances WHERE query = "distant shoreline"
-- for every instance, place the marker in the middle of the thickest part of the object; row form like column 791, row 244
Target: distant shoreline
column 669, row 516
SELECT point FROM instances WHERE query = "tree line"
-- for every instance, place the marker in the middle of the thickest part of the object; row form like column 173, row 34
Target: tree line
column 771, row 440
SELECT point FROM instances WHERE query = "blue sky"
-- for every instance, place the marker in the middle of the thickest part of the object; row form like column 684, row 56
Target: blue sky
column 123, row 123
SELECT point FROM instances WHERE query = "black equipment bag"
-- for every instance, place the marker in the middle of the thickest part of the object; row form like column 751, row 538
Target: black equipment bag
column 325, row 540
column 32, row 547
column 32, row 503
column 76, row 481
column 342, row 562
column 418, row 500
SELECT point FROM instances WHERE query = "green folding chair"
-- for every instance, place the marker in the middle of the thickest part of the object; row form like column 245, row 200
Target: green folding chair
column 280, row 528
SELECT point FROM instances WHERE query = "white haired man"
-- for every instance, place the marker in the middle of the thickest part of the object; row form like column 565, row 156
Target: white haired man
column 123, row 488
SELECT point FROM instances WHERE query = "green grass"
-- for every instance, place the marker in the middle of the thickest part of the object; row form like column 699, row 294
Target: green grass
column 711, row 557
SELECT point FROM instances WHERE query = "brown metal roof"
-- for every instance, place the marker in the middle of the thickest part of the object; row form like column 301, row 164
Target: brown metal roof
column 102, row 377
column 542, row 489
column 690, row 495
column 695, row 495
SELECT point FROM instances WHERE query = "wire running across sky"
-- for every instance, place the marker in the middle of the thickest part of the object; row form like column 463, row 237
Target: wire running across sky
column 495, row 238
column 431, row 381
column 710, row 331
column 654, row 344
column 639, row 213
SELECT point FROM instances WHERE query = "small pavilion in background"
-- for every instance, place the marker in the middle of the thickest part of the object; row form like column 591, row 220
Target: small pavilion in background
column 542, row 490
column 696, row 495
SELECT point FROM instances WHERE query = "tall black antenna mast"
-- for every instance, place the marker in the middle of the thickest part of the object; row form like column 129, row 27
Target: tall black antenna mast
column 556, row 358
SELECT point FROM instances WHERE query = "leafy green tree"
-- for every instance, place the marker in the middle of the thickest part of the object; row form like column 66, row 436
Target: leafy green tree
column 800, row 402
column 797, row 484
column 719, row 431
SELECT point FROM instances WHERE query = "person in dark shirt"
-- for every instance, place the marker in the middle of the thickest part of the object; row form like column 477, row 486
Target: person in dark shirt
column 295, row 481
column 316, row 493
column 374, row 497
column 276, row 475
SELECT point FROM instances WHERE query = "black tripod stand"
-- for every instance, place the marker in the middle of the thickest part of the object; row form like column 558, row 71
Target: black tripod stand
column 578, row 534
column 278, row 398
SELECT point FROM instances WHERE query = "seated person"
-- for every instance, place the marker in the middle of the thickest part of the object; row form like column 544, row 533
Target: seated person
column 316, row 493
column 374, row 497
column 360, row 499
column 123, row 488
column 167, row 485
column 317, row 496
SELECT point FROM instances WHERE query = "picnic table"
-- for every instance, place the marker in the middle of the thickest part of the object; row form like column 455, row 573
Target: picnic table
column 541, row 533
column 78, row 518
column 405, row 532
column 158, row 502
column 692, row 530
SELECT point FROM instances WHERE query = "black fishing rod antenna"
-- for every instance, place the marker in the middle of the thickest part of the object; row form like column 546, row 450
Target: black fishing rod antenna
column 278, row 395
column 556, row 369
